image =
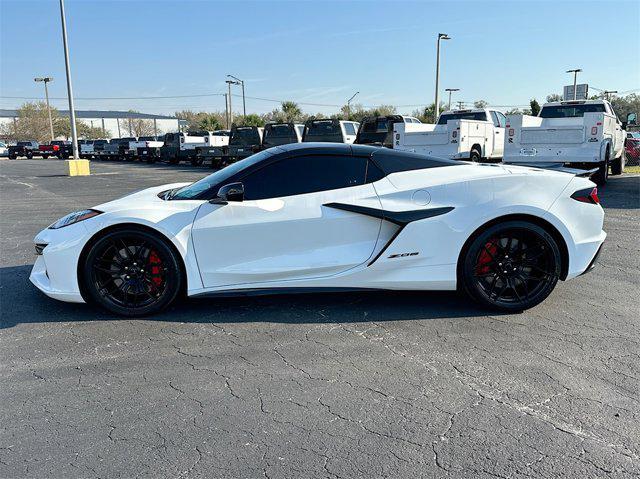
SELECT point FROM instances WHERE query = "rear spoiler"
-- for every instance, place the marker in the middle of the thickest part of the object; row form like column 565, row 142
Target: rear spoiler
column 557, row 167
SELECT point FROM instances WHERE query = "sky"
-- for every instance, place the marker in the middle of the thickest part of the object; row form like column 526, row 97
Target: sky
column 317, row 53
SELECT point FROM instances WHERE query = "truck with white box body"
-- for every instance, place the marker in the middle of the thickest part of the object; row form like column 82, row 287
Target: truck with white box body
column 474, row 135
column 583, row 134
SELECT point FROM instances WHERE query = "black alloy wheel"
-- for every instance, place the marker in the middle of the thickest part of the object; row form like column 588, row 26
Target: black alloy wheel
column 132, row 273
column 512, row 266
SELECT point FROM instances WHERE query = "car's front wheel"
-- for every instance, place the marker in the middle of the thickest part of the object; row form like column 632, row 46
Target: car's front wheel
column 511, row 266
column 132, row 272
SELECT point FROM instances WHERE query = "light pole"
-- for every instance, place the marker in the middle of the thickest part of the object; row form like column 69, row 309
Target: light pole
column 441, row 36
column 72, row 112
column 606, row 93
column 349, row 104
column 46, row 80
column 450, row 90
column 575, row 81
column 244, row 104
column 229, row 83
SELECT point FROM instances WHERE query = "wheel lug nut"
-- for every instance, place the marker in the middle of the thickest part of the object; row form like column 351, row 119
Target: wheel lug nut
column 499, row 264
column 127, row 277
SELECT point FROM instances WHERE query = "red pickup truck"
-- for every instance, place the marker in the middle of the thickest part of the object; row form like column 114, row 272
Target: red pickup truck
column 61, row 149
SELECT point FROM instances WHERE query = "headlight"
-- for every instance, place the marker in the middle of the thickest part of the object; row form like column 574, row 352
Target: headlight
column 73, row 218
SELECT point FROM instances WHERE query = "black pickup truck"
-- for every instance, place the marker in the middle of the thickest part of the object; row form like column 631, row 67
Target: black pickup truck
column 27, row 148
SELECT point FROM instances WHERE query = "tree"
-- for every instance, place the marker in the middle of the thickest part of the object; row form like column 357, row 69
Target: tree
column 207, row 121
column 480, row 104
column 513, row 111
column 535, row 107
column 250, row 120
column 357, row 112
column 291, row 111
column 138, row 126
column 427, row 114
column 554, row 97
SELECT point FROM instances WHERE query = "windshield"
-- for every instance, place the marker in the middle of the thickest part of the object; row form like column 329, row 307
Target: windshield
column 570, row 111
column 468, row 115
column 208, row 186
column 24, row 143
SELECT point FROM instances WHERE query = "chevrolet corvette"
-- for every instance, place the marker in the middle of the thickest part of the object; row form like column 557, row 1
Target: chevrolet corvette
column 322, row 216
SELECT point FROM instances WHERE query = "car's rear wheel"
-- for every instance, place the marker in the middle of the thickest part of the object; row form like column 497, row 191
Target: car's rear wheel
column 475, row 155
column 132, row 272
column 511, row 266
column 617, row 167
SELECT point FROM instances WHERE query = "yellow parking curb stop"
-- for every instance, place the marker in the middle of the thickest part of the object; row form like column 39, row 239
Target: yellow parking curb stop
column 78, row 167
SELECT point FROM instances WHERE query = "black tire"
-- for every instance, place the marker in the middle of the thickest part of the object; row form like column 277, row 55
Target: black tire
column 511, row 266
column 174, row 160
column 29, row 155
column 197, row 161
column 44, row 157
column 601, row 176
column 131, row 272
column 59, row 156
column 475, row 155
column 151, row 159
column 13, row 157
column 617, row 167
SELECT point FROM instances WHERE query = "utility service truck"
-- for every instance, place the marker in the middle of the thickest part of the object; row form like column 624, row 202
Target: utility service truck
column 582, row 134
column 474, row 135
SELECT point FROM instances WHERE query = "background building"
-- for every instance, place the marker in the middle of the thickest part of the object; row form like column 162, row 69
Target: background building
column 116, row 123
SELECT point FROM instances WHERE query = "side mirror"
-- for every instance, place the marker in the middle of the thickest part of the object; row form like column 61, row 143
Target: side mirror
column 230, row 192
column 632, row 119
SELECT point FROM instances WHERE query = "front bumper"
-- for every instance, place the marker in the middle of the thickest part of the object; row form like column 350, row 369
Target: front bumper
column 55, row 271
column 40, row 278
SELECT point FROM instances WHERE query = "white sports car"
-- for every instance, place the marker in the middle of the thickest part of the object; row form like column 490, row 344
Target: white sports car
column 326, row 217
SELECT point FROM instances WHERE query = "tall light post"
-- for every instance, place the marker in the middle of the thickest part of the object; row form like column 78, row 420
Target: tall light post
column 244, row 104
column 46, row 80
column 349, row 104
column 606, row 93
column 450, row 90
column 575, row 81
column 441, row 36
column 72, row 112
column 229, row 83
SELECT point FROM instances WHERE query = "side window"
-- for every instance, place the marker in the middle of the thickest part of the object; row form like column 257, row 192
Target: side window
column 502, row 119
column 349, row 129
column 494, row 119
column 373, row 172
column 304, row 174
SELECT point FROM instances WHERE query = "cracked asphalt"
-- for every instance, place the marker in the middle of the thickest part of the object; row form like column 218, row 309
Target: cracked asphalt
column 306, row 386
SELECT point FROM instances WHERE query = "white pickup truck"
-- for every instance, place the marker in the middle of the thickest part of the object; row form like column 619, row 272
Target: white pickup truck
column 583, row 134
column 147, row 148
column 459, row 134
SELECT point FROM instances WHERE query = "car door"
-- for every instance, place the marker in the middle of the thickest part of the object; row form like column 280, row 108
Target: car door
column 282, row 231
column 499, row 123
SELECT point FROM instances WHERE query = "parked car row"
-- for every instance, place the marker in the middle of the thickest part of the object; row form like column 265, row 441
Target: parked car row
column 30, row 148
column 584, row 134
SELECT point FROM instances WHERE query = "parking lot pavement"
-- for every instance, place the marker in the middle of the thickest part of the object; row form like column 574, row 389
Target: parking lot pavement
column 332, row 385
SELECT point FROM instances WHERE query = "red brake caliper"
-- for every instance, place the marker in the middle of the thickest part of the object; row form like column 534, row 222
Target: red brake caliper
column 156, row 264
column 486, row 256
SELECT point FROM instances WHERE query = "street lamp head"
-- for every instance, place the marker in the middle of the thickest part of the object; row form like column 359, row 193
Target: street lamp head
column 235, row 78
column 44, row 79
column 232, row 82
column 577, row 70
column 443, row 36
column 452, row 89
